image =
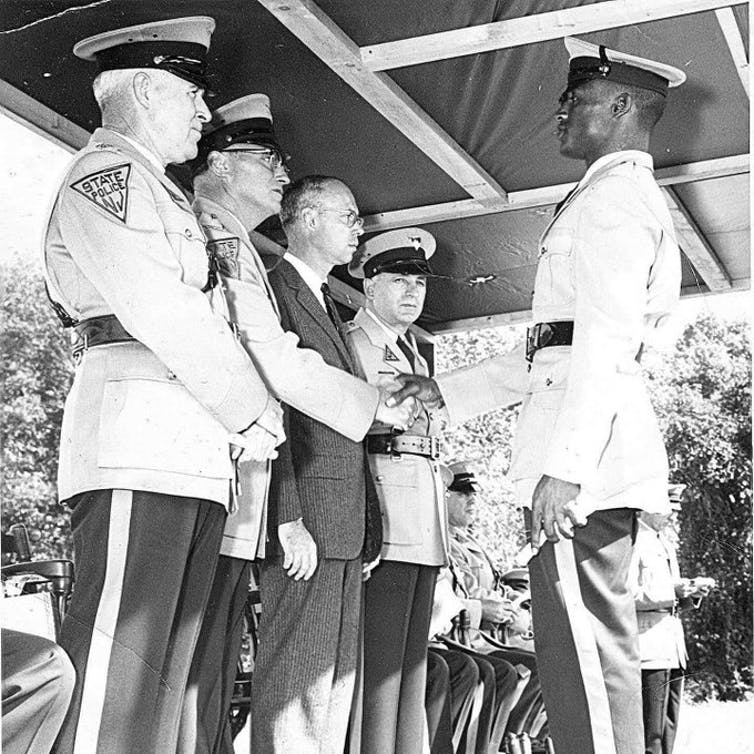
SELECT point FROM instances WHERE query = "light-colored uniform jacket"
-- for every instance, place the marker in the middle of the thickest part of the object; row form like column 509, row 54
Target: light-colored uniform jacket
column 609, row 261
column 297, row 376
column 652, row 577
column 154, row 415
column 410, row 488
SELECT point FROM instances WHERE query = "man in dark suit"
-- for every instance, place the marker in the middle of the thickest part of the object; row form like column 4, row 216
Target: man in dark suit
column 311, row 591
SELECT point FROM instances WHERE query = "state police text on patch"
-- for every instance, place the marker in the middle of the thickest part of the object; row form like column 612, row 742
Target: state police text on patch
column 225, row 253
column 108, row 189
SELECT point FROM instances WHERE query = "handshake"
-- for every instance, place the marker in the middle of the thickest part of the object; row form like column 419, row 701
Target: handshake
column 402, row 397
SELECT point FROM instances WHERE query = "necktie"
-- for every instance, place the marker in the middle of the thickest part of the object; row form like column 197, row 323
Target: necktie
column 408, row 352
column 332, row 310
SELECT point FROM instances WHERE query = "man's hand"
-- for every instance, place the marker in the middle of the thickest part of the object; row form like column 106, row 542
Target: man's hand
column 497, row 610
column 423, row 389
column 299, row 550
column 400, row 416
column 253, row 444
column 683, row 589
column 367, row 568
column 554, row 508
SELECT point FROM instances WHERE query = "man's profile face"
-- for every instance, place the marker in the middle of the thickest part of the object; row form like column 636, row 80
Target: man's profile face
column 177, row 118
column 460, row 508
column 397, row 298
column 257, row 177
column 338, row 224
column 584, row 119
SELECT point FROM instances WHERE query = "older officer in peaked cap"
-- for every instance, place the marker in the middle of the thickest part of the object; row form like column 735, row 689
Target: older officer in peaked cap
column 163, row 396
column 588, row 451
column 406, row 471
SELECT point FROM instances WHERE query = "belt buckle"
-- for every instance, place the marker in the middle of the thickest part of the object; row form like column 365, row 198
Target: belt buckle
column 390, row 448
column 537, row 337
column 78, row 351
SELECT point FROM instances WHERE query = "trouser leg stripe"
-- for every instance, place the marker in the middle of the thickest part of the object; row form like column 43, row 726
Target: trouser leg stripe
column 586, row 648
column 103, row 632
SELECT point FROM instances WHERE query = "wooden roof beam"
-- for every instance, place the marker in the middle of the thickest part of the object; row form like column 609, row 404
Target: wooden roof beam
column 546, row 195
column 732, row 34
column 27, row 111
column 500, row 35
column 315, row 29
column 695, row 246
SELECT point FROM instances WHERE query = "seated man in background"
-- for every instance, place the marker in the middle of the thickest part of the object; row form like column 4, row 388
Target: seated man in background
column 659, row 593
column 491, row 606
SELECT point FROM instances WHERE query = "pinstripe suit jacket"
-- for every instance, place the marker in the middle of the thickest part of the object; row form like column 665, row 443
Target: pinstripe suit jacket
column 320, row 475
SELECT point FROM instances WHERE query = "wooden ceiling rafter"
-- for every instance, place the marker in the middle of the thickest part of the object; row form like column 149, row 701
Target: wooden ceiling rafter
column 539, row 27
column 547, row 195
column 733, row 38
column 695, row 246
column 306, row 21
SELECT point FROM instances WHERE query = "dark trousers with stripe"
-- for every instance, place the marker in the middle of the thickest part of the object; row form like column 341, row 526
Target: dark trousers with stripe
column 662, row 692
column 144, row 569
column 397, row 610
column 305, row 669
column 205, row 724
column 585, row 636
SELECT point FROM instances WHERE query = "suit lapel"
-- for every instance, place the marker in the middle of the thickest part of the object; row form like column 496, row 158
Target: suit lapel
column 309, row 303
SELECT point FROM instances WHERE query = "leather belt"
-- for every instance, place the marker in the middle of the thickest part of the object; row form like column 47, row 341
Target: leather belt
column 416, row 445
column 97, row 331
column 546, row 335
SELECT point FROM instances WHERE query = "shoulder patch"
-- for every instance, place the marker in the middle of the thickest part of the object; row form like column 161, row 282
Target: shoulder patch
column 108, row 189
column 224, row 251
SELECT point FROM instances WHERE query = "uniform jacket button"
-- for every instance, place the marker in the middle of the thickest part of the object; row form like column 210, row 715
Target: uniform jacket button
column 379, row 478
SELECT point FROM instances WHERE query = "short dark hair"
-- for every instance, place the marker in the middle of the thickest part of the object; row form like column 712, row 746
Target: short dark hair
column 650, row 106
column 304, row 192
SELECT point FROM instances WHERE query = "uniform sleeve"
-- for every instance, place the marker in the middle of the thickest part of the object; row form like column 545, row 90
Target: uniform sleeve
column 127, row 256
column 614, row 247
column 498, row 382
column 299, row 376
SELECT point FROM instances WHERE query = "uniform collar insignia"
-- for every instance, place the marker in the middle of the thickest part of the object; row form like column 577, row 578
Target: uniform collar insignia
column 389, row 355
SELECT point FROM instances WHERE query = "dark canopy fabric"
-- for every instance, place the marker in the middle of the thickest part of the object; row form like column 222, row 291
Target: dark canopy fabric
column 498, row 106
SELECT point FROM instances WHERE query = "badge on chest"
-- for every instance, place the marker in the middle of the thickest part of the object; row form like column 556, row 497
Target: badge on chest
column 225, row 253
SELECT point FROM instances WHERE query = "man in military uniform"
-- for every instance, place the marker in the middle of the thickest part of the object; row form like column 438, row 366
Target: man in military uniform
column 405, row 468
column 660, row 592
column 161, row 390
column 239, row 178
column 587, row 443
column 491, row 606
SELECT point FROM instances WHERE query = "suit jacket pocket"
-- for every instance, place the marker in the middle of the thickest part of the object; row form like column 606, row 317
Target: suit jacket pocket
column 158, row 424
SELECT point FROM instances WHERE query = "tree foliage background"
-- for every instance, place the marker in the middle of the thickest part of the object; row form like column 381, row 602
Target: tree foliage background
column 35, row 373
column 701, row 389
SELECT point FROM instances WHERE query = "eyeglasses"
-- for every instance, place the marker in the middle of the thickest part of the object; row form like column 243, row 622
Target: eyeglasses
column 349, row 217
column 270, row 157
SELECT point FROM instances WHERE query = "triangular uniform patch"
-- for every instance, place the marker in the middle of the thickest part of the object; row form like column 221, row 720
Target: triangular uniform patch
column 389, row 355
column 224, row 251
column 108, row 189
